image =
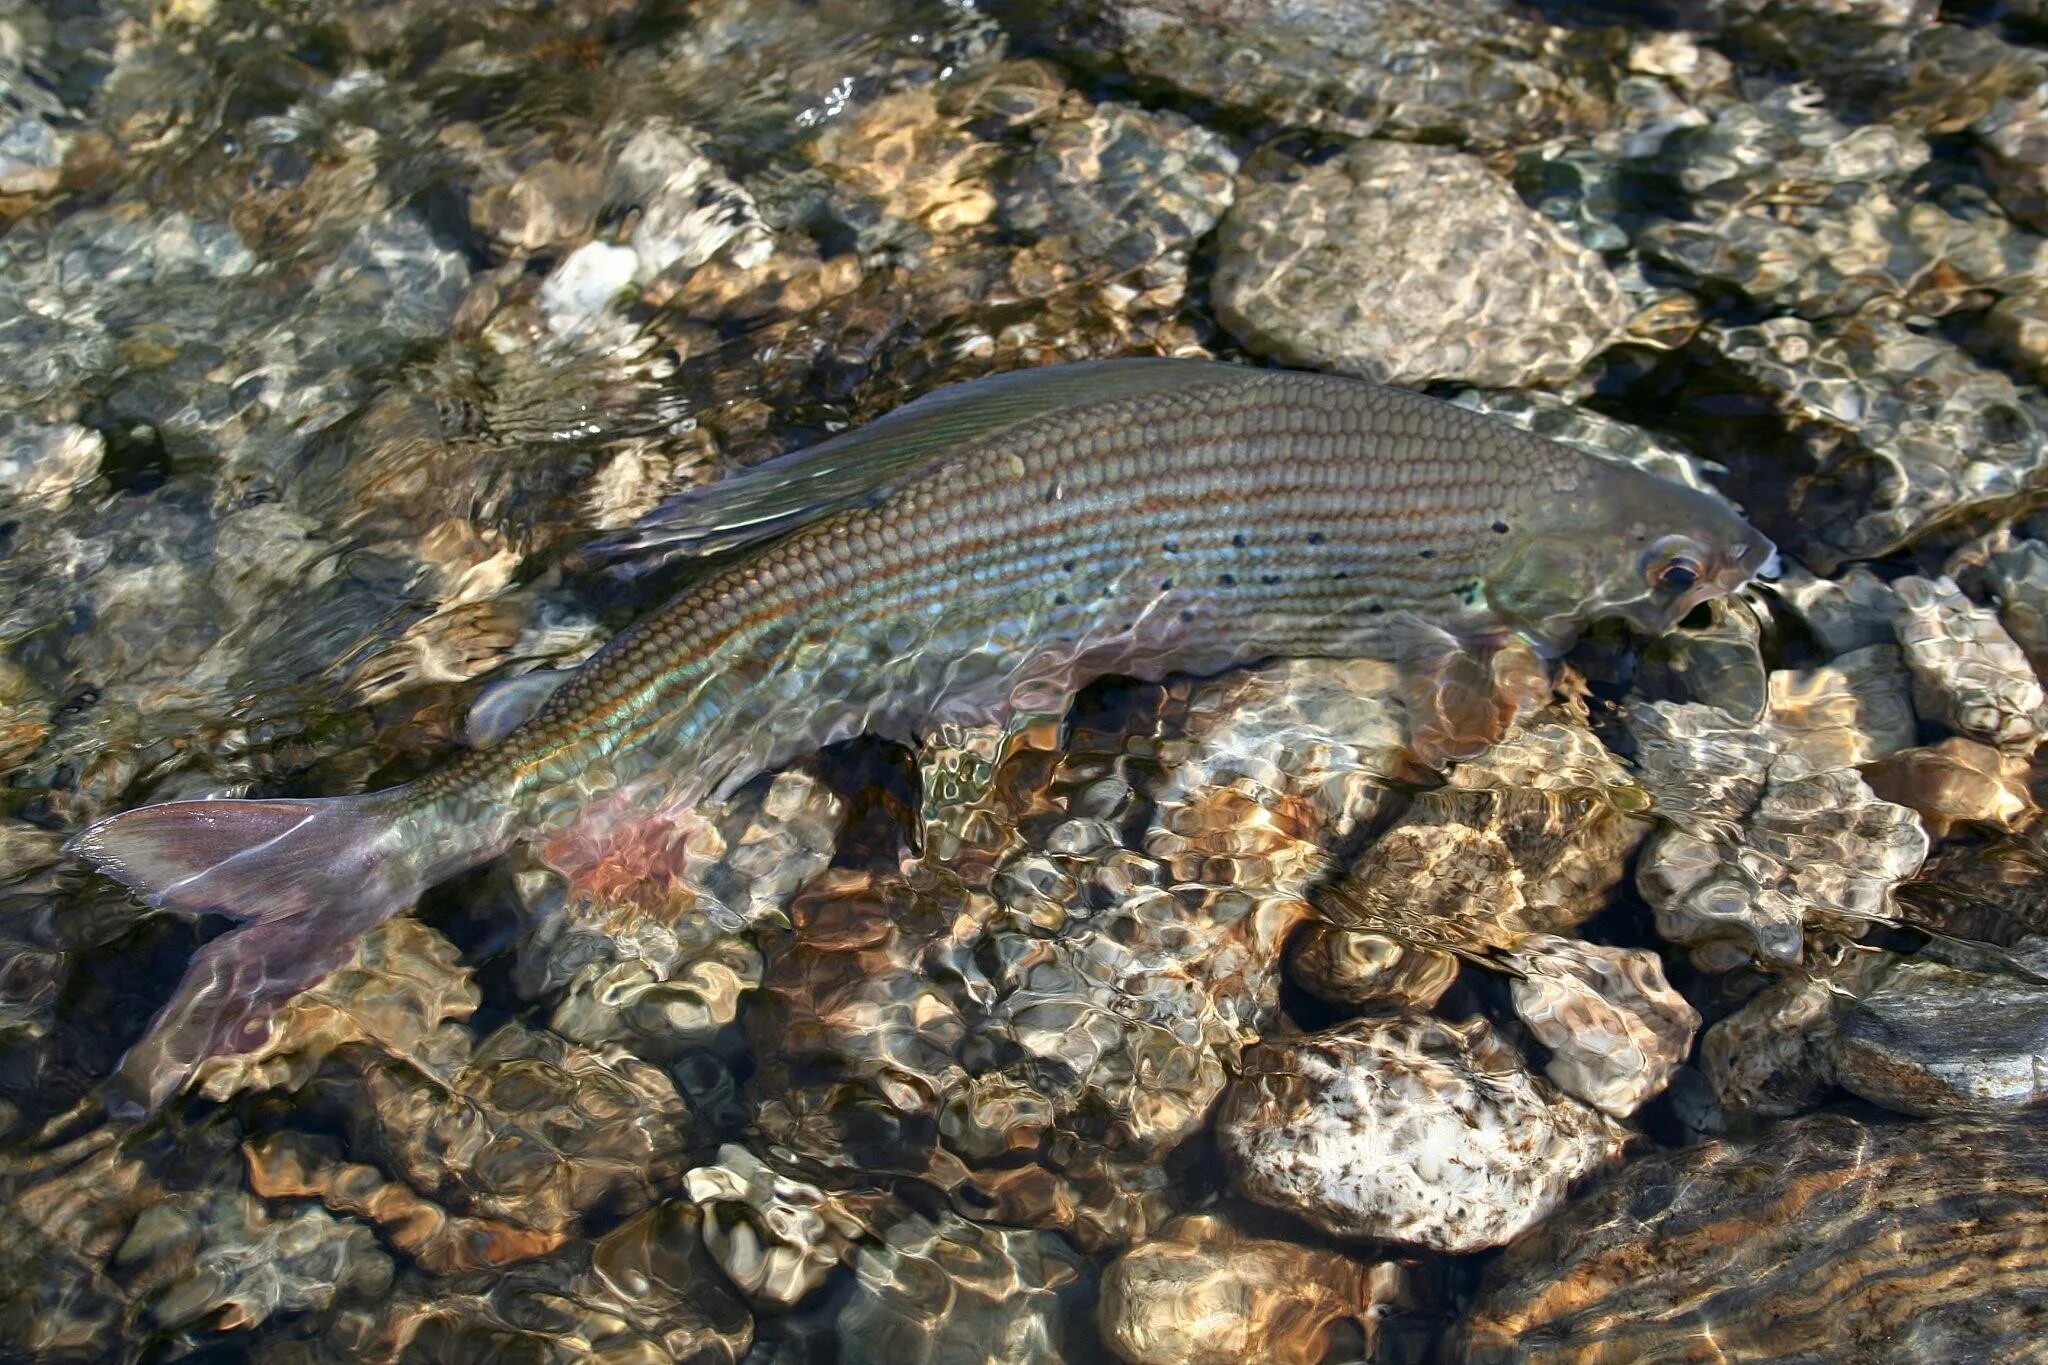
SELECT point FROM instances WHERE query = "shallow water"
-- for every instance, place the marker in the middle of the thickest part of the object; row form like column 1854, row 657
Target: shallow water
column 333, row 340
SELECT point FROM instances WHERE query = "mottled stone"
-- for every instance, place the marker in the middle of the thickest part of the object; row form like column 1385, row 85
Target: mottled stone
column 1760, row 845
column 638, row 926
column 1851, row 710
column 775, row 1237
column 1906, row 432
column 1527, row 838
column 1204, row 1293
column 1773, row 1057
column 1967, row 672
column 1936, row 1040
column 1786, row 145
column 288, row 1166
column 945, row 1291
column 1615, row 1029
column 1847, row 43
column 2017, row 329
column 1848, row 612
column 46, row 464
column 1478, row 70
column 1934, row 1234
column 1866, row 248
column 1034, row 1022
column 527, row 1128
column 1359, row 967
column 1407, row 1129
column 402, row 984
column 1582, row 428
column 1956, row 781
column 248, row 1264
column 2013, row 136
column 689, row 211
column 2019, row 576
column 1718, row 660
column 1409, row 264
column 549, row 204
column 645, row 1291
column 906, row 172
column 1123, row 185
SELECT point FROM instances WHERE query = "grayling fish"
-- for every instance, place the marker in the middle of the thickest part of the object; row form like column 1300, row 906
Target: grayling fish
column 978, row 554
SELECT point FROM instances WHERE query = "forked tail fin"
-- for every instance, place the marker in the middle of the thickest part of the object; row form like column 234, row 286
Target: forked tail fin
column 306, row 877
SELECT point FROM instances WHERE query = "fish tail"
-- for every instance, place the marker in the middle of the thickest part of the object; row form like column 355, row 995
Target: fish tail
column 305, row 878
column 247, row 860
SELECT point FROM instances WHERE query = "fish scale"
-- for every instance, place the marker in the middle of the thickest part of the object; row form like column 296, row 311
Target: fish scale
column 978, row 554
column 985, row 533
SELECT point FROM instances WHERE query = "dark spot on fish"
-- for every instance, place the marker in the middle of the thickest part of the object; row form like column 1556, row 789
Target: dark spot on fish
column 1315, row 537
column 1059, row 599
column 1429, row 554
column 1341, row 575
column 1069, row 566
column 1500, row 528
column 1187, row 614
column 1374, row 610
column 1227, row 579
column 1171, row 547
column 1269, row 578
column 1469, row 594
column 1166, row 585
column 1238, row 540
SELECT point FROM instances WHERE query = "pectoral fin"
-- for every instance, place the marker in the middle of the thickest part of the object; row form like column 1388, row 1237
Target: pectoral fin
column 1460, row 700
column 509, row 703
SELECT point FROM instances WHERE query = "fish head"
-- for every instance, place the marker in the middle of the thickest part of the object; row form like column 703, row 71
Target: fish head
column 1625, row 544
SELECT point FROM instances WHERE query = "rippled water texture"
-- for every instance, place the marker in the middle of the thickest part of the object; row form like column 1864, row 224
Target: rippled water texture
column 1219, row 1029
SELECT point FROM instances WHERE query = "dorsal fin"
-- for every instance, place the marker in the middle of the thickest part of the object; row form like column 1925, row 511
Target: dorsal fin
column 865, row 465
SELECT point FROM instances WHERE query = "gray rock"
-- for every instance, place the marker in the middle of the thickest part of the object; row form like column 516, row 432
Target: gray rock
column 1409, row 264
column 1937, row 1040
column 690, row 210
column 1826, row 1238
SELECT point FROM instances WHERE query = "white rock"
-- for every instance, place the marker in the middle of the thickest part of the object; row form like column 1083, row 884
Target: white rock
column 1408, row 1128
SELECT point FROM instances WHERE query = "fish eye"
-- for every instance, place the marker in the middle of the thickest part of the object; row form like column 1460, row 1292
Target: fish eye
column 1673, row 565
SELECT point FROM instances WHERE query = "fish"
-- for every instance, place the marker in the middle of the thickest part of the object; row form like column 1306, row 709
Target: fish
column 973, row 557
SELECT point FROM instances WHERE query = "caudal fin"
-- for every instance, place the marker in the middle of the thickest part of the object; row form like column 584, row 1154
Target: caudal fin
column 306, row 877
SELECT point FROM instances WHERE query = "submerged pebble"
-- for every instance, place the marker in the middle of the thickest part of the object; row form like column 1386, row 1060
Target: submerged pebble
column 1205, row 1293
